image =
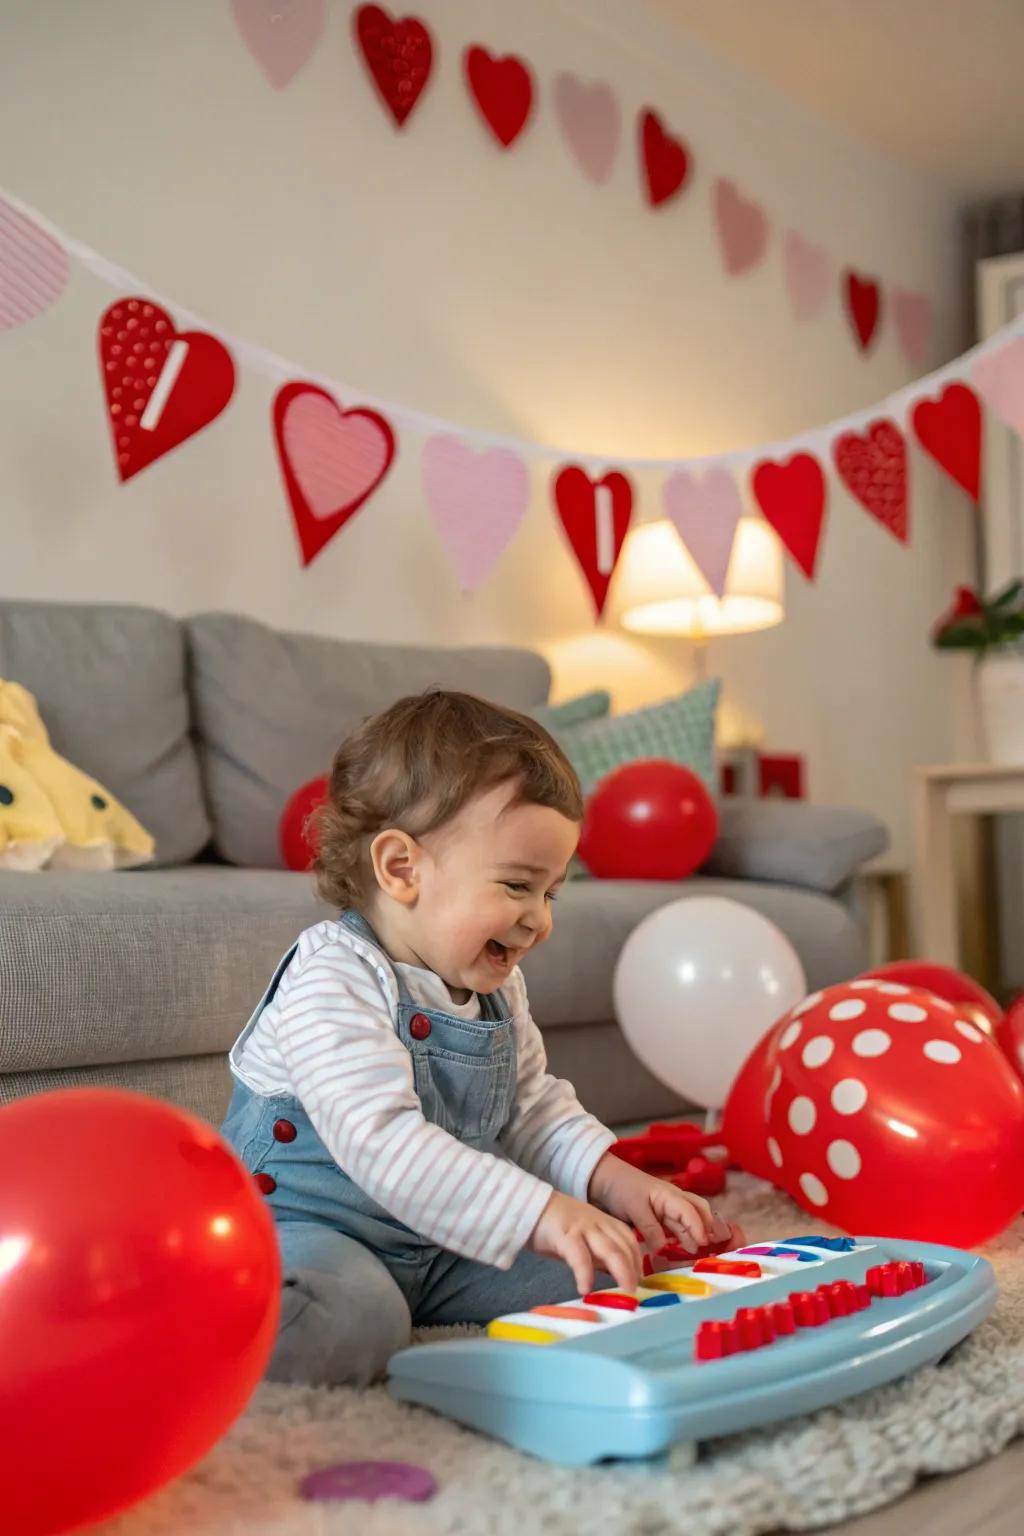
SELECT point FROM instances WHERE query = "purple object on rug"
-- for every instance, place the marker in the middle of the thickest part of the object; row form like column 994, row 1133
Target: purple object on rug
column 370, row 1480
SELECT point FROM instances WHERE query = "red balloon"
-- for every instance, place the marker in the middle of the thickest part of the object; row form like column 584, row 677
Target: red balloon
column 139, row 1293
column 298, row 849
column 651, row 820
column 743, row 1119
column 1010, row 1035
column 945, row 982
column 890, row 1113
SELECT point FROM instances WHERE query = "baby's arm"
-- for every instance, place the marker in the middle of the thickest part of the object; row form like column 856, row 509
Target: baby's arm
column 552, row 1136
column 354, row 1078
column 550, row 1133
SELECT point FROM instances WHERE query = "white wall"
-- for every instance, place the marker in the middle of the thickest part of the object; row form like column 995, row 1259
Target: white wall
column 501, row 291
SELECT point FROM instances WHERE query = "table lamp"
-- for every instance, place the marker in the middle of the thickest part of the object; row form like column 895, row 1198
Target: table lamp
column 659, row 589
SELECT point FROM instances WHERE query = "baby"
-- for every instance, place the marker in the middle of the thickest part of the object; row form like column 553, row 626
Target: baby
column 391, row 1090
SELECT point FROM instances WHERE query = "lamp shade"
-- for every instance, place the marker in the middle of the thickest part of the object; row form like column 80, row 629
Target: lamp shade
column 659, row 590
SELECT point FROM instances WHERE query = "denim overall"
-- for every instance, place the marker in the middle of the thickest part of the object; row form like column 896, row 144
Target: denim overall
column 355, row 1278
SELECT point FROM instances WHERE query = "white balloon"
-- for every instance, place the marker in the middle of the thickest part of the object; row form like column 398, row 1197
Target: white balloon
column 696, row 985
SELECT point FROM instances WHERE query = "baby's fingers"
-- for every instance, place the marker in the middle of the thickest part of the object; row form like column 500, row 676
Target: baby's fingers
column 617, row 1256
column 686, row 1223
column 718, row 1229
column 576, row 1254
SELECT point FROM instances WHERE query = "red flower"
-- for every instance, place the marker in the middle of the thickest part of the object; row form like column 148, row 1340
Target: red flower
column 968, row 604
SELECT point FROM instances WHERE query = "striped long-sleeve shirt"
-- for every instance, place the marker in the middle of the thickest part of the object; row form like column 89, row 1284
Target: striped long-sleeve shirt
column 328, row 1038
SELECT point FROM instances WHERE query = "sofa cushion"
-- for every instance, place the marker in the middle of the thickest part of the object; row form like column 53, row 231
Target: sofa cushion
column 569, row 978
column 272, row 708
column 585, row 706
column 154, row 966
column 681, row 729
column 110, row 684
column 142, row 967
column 819, row 846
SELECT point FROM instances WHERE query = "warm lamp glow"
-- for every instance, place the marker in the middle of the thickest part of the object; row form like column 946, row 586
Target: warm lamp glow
column 660, row 591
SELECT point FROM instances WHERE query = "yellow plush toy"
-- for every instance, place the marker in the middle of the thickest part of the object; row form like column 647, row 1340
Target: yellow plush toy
column 52, row 815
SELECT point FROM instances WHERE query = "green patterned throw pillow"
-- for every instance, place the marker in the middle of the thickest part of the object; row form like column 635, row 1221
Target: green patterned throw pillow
column 562, row 717
column 681, row 729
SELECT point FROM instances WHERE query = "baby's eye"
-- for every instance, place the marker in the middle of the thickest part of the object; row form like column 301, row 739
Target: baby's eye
column 515, row 885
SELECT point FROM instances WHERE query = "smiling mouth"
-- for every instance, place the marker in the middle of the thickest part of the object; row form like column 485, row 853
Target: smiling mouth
column 497, row 951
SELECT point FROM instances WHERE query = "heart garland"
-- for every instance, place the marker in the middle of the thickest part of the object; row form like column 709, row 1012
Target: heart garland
column 34, row 268
column 591, row 124
column 503, row 91
column 476, row 501
column 999, row 380
column 807, row 269
column 666, row 161
column 331, row 460
column 873, row 467
column 742, row 228
column 595, row 515
column 863, row 300
column 398, row 54
column 912, row 313
column 162, row 386
column 705, row 513
column 792, row 497
column 280, row 37
column 950, row 430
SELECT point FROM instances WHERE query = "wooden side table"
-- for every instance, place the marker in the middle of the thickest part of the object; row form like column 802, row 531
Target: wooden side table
column 966, row 789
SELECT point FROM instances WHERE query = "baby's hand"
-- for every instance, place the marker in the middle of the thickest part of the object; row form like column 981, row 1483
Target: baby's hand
column 586, row 1238
column 657, row 1209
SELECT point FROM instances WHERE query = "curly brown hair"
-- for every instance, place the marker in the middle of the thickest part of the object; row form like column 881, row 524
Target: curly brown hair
column 415, row 766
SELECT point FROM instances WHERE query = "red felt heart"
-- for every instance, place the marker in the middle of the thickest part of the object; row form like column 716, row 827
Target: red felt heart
column 398, row 54
column 874, row 469
column 502, row 89
column 331, row 459
column 666, row 161
column 792, row 498
column 162, row 385
column 863, row 304
column 950, row 430
column 596, row 526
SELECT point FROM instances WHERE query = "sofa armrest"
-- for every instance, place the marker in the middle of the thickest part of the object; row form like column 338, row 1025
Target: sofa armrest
column 789, row 841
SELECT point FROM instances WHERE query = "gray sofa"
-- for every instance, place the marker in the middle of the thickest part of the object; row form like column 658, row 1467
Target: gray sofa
column 203, row 728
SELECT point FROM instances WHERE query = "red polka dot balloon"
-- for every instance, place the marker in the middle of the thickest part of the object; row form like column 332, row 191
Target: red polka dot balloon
column 889, row 1114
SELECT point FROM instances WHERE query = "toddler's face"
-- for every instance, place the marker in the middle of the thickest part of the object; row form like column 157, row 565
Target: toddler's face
column 486, row 881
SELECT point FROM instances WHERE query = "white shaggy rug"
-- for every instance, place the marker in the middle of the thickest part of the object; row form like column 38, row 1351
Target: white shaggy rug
column 804, row 1474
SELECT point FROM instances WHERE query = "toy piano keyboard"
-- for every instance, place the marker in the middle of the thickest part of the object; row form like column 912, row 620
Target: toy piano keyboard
column 718, row 1345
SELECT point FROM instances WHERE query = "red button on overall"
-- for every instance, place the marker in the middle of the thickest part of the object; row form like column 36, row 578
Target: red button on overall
column 284, row 1130
column 265, row 1183
column 419, row 1026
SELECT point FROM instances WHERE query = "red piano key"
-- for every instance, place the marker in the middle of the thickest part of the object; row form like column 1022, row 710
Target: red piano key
column 748, row 1328
column 616, row 1299
column 783, row 1318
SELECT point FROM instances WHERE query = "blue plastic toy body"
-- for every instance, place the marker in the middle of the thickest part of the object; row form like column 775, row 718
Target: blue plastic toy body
column 631, row 1385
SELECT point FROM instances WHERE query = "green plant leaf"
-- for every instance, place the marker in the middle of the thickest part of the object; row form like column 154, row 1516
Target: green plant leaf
column 963, row 636
column 1012, row 593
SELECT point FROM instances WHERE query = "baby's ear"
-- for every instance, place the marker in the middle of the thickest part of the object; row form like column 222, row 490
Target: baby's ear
column 395, row 858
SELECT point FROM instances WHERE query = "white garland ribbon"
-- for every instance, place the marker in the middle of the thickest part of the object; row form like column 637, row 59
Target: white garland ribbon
column 816, row 440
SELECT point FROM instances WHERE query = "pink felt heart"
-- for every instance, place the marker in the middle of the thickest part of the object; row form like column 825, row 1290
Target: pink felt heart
column 33, row 268
column 999, row 379
column 280, row 34
column 336, row 458
column 742, row 228
column 808, row 274
column 705, row 513
column 591, row 123
column 913, row 315
column 476, row 502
